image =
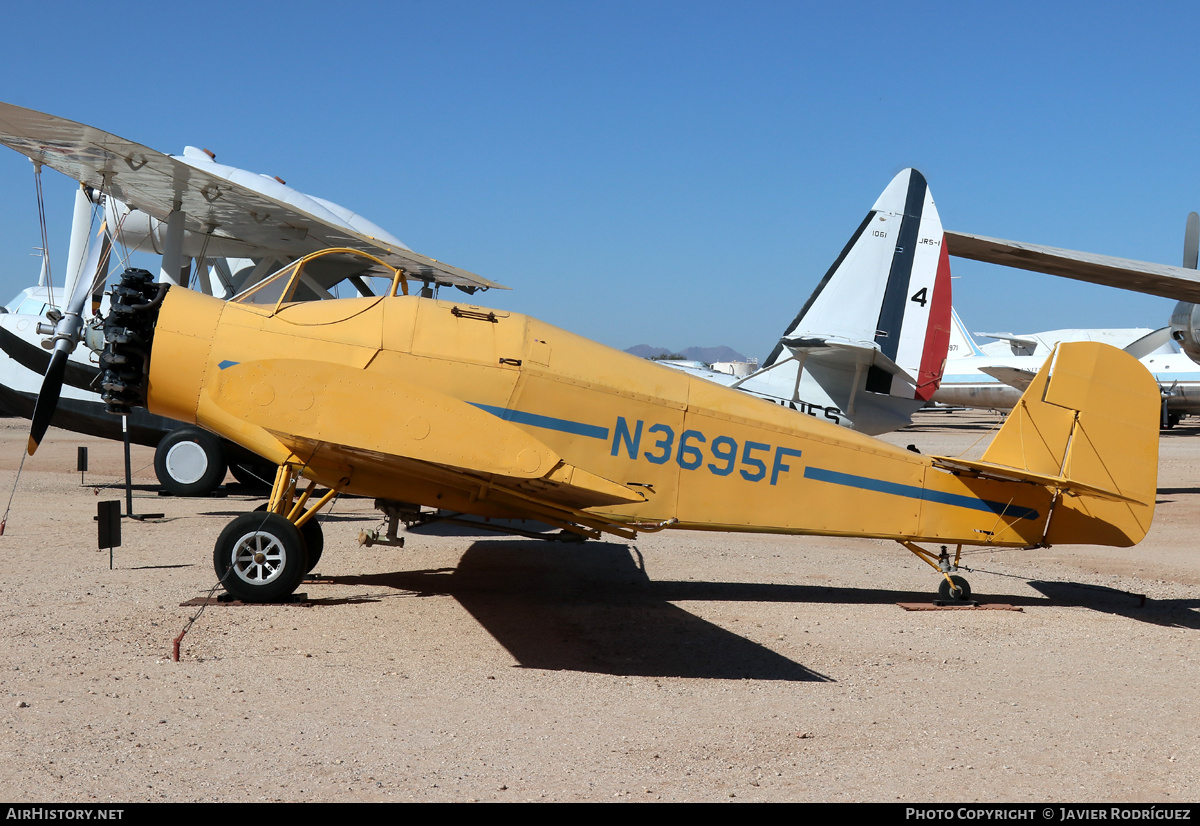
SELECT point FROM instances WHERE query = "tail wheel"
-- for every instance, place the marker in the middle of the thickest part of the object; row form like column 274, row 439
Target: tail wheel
column 260, row 557
column 189, row 462
column 960, row 592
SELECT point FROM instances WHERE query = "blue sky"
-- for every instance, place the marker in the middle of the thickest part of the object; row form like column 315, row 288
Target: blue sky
column 672, row 173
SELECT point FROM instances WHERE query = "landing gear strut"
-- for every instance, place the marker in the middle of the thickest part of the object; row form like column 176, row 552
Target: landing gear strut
column 952, row 589
column 263, row 556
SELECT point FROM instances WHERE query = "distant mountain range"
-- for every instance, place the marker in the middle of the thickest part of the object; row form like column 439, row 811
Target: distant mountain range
column 708, row 355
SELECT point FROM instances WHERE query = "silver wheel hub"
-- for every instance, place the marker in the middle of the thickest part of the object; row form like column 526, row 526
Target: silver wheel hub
column 187, row 462
column 259, row 558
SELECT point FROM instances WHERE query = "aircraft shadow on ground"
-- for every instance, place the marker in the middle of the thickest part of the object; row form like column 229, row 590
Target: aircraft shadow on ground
column 592, row 608
column 1172, row 613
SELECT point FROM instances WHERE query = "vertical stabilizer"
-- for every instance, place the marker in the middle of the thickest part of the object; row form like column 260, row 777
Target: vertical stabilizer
column 1090, row 420
column 962, row 344
column 883, row 309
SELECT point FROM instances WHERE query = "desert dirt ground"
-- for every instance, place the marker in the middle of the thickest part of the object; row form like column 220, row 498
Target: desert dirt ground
column 679, row 667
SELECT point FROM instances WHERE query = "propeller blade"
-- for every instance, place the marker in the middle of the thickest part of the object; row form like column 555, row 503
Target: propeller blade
column 67, row 333
column 1191, row 241
column 88, row 272
column 47, row 399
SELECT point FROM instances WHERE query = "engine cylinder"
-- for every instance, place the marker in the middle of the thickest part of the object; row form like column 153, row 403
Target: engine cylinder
column 128, row 333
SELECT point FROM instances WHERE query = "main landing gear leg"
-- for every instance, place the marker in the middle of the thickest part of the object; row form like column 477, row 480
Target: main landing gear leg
column 263, row 556
column 952, row 589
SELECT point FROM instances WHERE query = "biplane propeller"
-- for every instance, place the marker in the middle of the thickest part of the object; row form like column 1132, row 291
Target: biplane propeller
column 65, row 335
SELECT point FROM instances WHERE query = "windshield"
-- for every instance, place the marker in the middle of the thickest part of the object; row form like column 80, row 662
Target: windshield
column 325, row 275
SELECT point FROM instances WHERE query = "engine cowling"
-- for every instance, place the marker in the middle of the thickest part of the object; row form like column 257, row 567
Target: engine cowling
column 1185, row 328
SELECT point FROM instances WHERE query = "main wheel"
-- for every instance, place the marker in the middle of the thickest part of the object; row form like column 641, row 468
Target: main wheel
column 314, row 539
column 189, row 462
column 960, row 593
column 314, row 542
column 260, row 557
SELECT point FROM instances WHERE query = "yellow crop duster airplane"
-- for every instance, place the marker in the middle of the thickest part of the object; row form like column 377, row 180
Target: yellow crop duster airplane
column 497, row 414
column 455, row 406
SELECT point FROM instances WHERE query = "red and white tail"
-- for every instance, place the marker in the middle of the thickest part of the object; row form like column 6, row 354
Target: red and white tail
column 885, row 302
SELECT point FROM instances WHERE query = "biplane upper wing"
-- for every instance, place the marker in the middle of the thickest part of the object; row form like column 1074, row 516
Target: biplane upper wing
column 160, row 184
column 1179, row 283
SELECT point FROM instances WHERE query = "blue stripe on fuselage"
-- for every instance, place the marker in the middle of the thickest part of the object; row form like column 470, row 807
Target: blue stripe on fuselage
column 548, row 422
column 913, row 492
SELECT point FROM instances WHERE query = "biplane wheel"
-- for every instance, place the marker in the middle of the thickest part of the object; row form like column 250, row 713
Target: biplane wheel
column 189, row 462
column 314, row 539
column 960, row 593
column 260, row 557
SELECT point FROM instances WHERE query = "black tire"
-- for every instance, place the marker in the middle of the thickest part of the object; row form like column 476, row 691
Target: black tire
column 314, row 539
column 257, row 476
column 961, row 594
column 314, row 542
column 189, row 462
column 260, row 557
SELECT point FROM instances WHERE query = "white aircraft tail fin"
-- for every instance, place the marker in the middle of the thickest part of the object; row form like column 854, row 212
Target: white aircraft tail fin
column 883, row 308
column 962, row 344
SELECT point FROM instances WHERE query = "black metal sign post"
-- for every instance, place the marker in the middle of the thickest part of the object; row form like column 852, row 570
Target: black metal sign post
column 129, row 478
column 108, row 527
column 81, row 463
column 128, row 471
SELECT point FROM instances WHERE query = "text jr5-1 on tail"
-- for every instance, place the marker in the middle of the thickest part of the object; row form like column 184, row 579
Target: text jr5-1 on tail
column 497, row 414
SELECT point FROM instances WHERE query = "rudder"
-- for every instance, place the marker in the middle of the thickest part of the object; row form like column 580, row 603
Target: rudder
column 1089, row 421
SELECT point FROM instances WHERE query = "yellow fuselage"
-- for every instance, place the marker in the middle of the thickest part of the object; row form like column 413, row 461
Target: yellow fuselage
column 441, row 403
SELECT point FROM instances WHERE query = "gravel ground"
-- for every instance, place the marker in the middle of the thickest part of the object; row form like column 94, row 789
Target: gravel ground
column 680, row 667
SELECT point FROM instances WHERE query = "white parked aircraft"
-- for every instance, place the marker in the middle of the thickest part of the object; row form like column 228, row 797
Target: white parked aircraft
column 994, row 376
column 218, row 229
column 867, row 349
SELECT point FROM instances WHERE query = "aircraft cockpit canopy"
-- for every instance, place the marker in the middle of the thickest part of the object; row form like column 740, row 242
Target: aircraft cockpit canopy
column 329, row 274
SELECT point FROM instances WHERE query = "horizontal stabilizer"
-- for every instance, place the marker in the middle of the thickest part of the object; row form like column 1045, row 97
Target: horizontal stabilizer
column 844, row 355
column 1022, row 341
column 988, row 470
column 1087, row 426
column 1012, row 376
column 1021, row 345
